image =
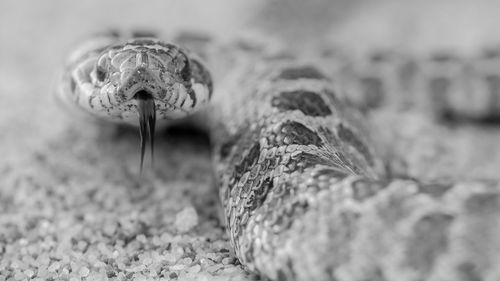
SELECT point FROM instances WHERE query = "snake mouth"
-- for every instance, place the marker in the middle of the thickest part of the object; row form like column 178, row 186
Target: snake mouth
column 147, row 121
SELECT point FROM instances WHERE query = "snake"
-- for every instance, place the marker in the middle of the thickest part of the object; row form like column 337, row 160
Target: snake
column 305, row 193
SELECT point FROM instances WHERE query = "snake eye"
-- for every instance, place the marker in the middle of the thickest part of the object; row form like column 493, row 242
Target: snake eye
column 100, row 73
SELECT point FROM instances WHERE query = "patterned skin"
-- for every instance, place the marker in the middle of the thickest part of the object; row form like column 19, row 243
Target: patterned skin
column 443, row 83
column 305, row 196
column 105, row 79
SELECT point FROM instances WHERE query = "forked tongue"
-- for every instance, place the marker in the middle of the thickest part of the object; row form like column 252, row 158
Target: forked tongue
column 147, row 120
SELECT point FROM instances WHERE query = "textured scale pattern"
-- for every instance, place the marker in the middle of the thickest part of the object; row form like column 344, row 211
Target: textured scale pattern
column 305, row 195
column 104, row 78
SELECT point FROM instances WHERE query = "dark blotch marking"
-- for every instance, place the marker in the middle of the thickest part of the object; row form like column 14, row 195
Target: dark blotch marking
column 293, row 132
column 258, row 186
column 373, row 88
column 305, row 72
column 433, row 229
column 284, row 217
column 309, row 103
column 263, row 189
column 439, row 88
column 469, row 272
column 253, row 154
column 483, row 204
column 490, row 53
column 350, row 137
column 441, row 57
column 250, row 159
column 260, row 190
column 306, row 160
column 380, row 56
column 246, row 139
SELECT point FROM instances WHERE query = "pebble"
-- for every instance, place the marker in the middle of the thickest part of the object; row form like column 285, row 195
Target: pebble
column 195, row 269
column 84, row 271
column 228, row 260
column 186, row 261
column 169, row 258
column 19, row 276
column 82, row 245
column 166, row 237
column 214, row 257
column 54, row 267
column 64, row 271
column 147, row 261
column 186, row 219
column 29, row 273
column 140, row 277
column 15, row 264
column 214, row 268
column 109, row 229
column 142, row 238
column 178, row 267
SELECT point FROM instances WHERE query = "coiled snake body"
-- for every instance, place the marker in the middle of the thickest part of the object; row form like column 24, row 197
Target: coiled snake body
column 305, row 196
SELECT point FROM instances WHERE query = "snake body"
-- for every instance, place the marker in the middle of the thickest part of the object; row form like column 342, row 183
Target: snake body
column 305, row 195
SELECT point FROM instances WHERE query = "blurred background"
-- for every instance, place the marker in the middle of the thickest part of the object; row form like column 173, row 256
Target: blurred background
column 35, row 36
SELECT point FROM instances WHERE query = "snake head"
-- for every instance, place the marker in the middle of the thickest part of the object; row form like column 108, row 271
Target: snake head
column 177, row 83
column 158, row 79
column 136, row 81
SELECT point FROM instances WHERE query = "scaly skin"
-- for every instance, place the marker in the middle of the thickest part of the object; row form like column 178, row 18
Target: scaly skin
column 305, row 195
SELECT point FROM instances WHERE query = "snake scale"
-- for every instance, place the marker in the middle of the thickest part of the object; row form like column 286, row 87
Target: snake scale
column 305, row 195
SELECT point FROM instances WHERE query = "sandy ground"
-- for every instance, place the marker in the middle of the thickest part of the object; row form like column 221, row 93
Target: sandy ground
column 72, row 203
